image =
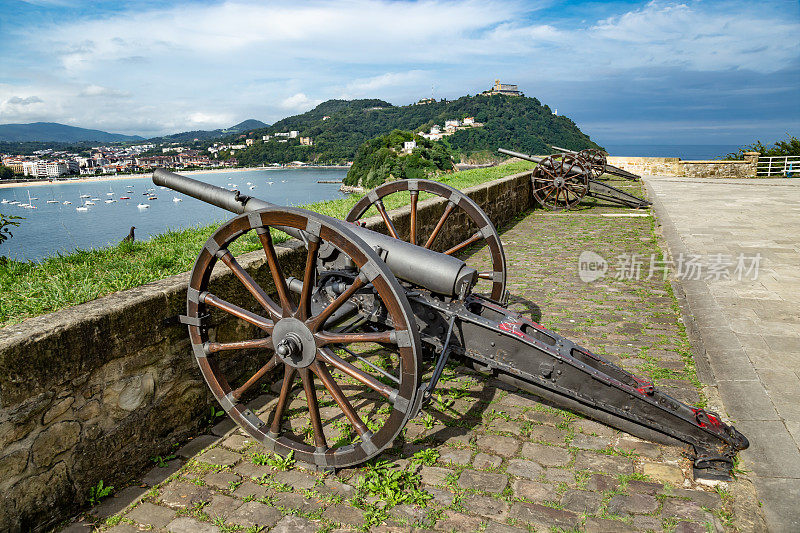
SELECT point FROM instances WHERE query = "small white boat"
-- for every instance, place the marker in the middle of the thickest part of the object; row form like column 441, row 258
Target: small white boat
column 249, row 182
column 109, row 194
column 67, row 202
column 143, row 206
column 89, row 203
column 95, row 199
column 270, row 182
column 3, row 201
column 176, row 199
column 111, row 201
column 13, row 202
column 82, row 208
column 252, row 187
column 52, row 201
column 85, row 196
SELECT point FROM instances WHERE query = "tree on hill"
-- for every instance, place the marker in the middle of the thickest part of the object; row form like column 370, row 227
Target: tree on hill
column 384, row 158
column 791, row 146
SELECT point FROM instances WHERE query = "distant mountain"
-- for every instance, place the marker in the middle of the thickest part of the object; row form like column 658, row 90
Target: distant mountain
column 54, row 132
column 246, row 125
column 205, row 135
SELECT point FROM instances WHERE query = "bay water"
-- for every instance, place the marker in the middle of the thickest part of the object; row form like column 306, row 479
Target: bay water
column 54, row 228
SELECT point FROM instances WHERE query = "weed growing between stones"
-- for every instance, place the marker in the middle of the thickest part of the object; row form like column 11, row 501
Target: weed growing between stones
column 98, row 492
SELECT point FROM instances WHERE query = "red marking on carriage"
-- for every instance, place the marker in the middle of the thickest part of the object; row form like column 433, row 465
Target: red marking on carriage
column 512, row 329
column 712, row 420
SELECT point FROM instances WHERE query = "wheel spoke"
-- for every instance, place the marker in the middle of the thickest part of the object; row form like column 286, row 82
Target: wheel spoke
column 318, row 321
column 215, row 347
column 440, row 224
column 336, row 392
column 355, row 373
column 283, row 399
column 413, row 230
column 272, row 363
column 304, row 307
column 313, row 408
column 458, row 247
column 238, row 312
column 277, row 273
column 324, row 338
column 386, row 220
column 250, row 284
column 486, row 275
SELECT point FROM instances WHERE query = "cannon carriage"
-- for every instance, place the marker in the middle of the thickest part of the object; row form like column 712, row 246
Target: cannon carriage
column 370, row 314
column 560, row 181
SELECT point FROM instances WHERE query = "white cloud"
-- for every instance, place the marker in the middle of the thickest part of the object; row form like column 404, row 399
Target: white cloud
column 28, row 100
column 299, row 102
column 368, row 86
column 97, row 90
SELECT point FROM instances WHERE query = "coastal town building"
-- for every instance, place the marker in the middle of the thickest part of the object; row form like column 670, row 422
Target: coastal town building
column 409, row 146
column 504, row 88
column 306, row 141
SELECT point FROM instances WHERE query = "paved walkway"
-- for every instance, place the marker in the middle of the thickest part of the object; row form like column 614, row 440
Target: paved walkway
column 749, row 328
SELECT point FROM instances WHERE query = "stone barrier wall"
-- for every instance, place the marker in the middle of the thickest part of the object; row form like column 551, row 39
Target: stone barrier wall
column 674, row 166
column 93, row 392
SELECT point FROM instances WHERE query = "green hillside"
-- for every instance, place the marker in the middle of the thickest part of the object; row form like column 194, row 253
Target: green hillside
column 518, row 123
column 383, row 158
column 54, row 132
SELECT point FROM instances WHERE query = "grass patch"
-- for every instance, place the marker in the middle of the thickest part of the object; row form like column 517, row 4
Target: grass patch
column 29, row 289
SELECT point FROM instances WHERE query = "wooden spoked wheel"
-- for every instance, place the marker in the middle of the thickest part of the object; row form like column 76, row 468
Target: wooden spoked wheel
column 299, row 338
column 596, row 159
column 457, row 203
column 560, row 181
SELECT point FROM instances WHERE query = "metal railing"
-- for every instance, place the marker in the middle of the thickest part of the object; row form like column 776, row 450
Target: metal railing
column 780, row 165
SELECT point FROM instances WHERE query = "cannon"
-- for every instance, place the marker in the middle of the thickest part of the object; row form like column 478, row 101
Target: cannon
column 368, row 316
column 560, row 181
column 598, row 163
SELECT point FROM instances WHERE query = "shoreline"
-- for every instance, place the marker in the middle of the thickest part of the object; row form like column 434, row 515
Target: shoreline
column 117, row 177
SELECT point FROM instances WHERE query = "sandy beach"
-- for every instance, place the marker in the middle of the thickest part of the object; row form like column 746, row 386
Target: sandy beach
column 116, row 177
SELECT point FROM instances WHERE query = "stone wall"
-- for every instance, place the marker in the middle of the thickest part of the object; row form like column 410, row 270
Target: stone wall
column 92, row 392
column 674, row 166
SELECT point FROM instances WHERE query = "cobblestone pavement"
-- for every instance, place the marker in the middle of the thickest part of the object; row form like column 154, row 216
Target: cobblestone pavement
column 748, row 325
column 488, row 458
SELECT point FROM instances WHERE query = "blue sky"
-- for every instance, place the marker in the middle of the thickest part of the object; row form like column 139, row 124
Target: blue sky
column 657, row 72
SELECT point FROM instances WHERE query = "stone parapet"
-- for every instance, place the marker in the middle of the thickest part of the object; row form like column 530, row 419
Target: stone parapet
column 674, row 166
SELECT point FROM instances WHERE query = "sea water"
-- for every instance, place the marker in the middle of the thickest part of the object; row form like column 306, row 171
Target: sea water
column 54, row 228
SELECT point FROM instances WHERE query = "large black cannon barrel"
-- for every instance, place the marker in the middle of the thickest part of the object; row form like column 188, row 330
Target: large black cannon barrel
column 521, row 156
column 432, row 270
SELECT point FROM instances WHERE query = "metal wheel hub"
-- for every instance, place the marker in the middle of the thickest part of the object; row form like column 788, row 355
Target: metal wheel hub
column 294, row 343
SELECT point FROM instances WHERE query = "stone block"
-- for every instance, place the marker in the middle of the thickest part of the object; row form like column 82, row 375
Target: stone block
column 219, row 457
column 185, row 524
column 296, row 479
column 546, row 455
column 534, row 491
column 483, row 481
column 295, row 524
column 485, row 506
column 544, row 516
column 456, row 457
column 524, row 468
column 434, row 475
column 637, row 503
column 499, row 445
column 196, row 445
column 221, row 480
column 581, row 501
column 249, row 488
column 344, row 514
column 178, row 495
column 53, row 441
column 666, row 473
column 221, row 506
column 158, row 474
column 608, row 464
column 151, row 515
column 484, row 461
column 256, row 514
column 453, row 521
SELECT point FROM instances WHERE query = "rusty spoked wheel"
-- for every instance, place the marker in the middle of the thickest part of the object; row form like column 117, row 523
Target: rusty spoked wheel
column 560, row 181
column 459, row 210
column 595, row 159
column 356, row 402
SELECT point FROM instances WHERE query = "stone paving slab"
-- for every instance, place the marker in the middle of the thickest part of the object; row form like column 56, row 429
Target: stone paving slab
column 747, row 327
column 502, row 460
